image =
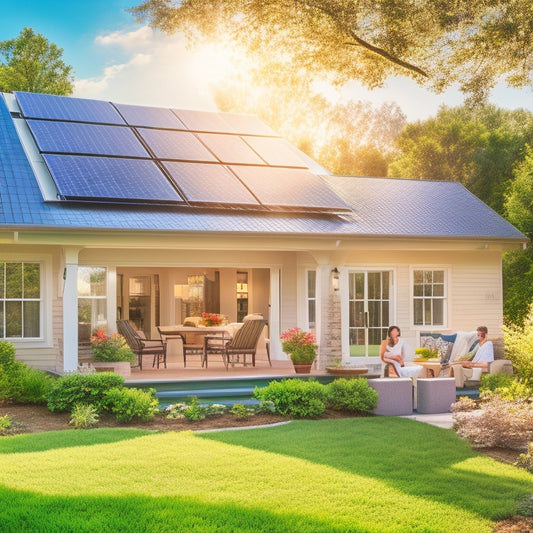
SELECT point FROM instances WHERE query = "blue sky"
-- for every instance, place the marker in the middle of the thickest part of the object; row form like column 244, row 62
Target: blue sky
column 117, row 59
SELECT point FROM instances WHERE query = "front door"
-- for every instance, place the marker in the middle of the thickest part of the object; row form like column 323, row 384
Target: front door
column 369, row 311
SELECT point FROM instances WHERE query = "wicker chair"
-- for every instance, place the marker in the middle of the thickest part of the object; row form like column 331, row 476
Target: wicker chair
column 244, row 343
column 142, row 346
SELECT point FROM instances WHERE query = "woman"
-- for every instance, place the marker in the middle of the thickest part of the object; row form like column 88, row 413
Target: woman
column 391, row 351
column 482, row 355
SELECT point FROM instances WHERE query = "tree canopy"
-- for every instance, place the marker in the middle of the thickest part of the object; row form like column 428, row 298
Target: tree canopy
column 472, row 43
column 31, row 63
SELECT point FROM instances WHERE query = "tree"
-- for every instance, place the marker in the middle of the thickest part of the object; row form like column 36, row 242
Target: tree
column 31, row 63
column 473, row 43
column 476, row 147
column 518, row 265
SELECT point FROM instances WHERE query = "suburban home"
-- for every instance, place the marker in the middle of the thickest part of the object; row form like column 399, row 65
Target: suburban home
column 112, row 211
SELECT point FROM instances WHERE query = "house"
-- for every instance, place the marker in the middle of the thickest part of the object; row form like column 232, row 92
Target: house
column 112, row 211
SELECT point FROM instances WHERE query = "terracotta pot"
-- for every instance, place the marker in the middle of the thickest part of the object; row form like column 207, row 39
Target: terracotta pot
column 302, row 369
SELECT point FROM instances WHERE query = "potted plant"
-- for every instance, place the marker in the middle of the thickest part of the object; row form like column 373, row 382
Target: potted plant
column 112, row 353
column 301, row 347
column 426, row 354
column 211, row 319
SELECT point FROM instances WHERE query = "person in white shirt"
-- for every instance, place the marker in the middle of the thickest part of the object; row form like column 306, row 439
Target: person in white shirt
column 391, row 352
column 484, row 354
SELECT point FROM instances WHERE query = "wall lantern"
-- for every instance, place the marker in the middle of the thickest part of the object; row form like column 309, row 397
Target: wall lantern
column 335, row 277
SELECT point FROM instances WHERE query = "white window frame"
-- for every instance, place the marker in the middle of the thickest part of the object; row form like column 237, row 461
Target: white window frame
column 44, row 340
column 309, row 299
column 446, row 298
column 93, row 298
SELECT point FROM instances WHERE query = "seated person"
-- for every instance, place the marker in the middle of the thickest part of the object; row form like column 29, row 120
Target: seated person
column 480, row 358
column 391, row 351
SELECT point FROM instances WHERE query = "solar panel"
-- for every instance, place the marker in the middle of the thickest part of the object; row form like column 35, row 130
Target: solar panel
column 275, row 151
column 203, row 121
column 155, row 117
column 106, row 178
column 247, row 124
column 289, row 187
column 204, row 182
column 77, row 138
column 230, row 148
column 166, row 144
column 67, row 108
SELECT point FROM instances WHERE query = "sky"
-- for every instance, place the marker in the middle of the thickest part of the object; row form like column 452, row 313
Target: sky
column 117, row 59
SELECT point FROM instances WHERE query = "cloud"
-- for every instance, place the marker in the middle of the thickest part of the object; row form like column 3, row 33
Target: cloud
column 159, row 71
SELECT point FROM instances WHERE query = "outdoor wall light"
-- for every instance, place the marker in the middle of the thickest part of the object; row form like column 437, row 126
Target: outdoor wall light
column 335, row 277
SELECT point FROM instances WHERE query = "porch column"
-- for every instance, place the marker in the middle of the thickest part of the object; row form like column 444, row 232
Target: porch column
column 70, row 310
column 328, row 318
column 274, row 318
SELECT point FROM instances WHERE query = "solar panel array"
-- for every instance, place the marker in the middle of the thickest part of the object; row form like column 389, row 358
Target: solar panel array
column 103, row 152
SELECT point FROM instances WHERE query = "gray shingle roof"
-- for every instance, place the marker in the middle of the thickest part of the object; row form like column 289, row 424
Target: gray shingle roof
column 381, row 207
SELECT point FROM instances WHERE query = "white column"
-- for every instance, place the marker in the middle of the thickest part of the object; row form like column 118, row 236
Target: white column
column 274, row 318
column 70, row 310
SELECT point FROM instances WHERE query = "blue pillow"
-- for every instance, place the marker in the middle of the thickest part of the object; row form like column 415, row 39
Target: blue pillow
column 473, row 345
column 449, row 338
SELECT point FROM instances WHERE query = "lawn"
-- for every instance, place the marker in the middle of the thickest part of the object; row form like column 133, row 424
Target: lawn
column 362, row 474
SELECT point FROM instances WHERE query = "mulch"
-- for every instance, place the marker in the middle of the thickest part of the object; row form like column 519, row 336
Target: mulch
column 37, row 418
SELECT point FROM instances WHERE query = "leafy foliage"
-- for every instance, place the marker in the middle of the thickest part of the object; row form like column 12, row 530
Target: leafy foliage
column 129, row 403
column 294, row 397
column 111, row 349
column 519, row 346
column 5, row 424
column 438, row 44
column 84, row 416
column 7, row 353
column 85, row 389
column 31, row 63
column 300, row 345
column 525, row 460
column 351, row 395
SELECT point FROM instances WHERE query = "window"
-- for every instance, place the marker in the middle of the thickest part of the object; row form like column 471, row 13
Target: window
column 92, row 301
column 311, row 299
column 429, row 300
column 20, row 300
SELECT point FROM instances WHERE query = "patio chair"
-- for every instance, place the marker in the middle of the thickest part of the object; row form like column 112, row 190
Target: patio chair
column 244, row 342
column 142, row 346
column 192, row 344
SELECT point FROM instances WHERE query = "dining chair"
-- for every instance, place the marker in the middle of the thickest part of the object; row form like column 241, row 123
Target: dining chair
column 142, row 346
column 244, row 342
column 192, row 344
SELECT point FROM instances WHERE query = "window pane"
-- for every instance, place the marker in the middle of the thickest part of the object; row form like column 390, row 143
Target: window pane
column 1, row 320
column 385, row 286
column 374, row 318
column 91, row 281
column 31, row 319
column 427, row 312
column 91, row 315
column 428, row 276
column 385, row 313
column 13, row 280
column 359, row 286
column 418, row 315
column 438, row 312
column 438, row 290
column 418, row 276
column 311, row 284
column 312, row 313
column 2, row 266
column 438, row 276
column 418, row 290
column 428, row 290
column 13, row 319
column 374, row 285
column 32, row 285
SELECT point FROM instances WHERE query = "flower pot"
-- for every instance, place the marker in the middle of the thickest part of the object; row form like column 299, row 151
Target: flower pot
column 302, row 369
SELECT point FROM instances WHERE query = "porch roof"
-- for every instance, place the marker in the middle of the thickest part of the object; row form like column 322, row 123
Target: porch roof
column 380, row 207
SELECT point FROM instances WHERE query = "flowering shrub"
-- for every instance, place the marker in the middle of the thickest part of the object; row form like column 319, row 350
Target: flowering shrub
column 111, row 349
column 300, row 345
column 211, row 319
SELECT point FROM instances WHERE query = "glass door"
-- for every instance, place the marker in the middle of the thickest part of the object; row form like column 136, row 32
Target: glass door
column 369, row 305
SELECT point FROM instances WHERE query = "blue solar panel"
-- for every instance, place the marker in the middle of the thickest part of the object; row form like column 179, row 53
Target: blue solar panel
column 230, row 149
column 106, row 178
column 247, row 124
column 183, row 145
column 205, row 182
column 275, row 151
column 203, row 121
column 66, row 108
column 155, row 117
column 75, row 138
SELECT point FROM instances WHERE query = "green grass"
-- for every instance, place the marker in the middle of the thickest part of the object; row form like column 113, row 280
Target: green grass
column 359, row 475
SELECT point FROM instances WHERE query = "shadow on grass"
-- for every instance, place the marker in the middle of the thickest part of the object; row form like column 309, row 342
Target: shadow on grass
column 23, row 511
column 415, row 458
column 51, row 440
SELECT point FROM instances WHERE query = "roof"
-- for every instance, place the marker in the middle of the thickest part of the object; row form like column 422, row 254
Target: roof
column 380, row 207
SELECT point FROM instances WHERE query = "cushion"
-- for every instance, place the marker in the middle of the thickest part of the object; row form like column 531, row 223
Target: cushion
column 449, row 338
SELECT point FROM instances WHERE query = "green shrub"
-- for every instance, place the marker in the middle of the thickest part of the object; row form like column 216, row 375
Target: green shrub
column 351, row 395
column 519, row 346
column 84, row 416
column 5, row 424
column 491, row 382
column 194, row 411
column 128, row 403
column 294, row 397
column 525, row 460
column 111, row 349
column 22, row 384
column 7, row 353
column 82, row 388
column 240, row 411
